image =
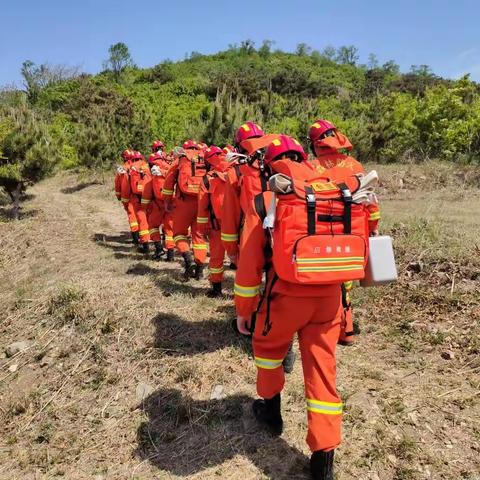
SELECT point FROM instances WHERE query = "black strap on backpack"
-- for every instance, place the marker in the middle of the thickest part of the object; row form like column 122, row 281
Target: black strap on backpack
column 347, row 212
column 260, row 208
column 236, row 167
column 311, row 207
column 263, row 181
column 268, row 324
column 193, row 169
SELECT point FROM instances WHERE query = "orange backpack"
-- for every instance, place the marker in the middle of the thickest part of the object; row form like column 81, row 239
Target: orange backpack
column 319, row 236
column 190, row 174
column 136, row 181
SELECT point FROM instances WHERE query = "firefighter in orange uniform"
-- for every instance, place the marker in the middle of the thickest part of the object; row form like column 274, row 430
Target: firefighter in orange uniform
column 183, row 179
column 238, row 216
column 120, row 176
column 209, row 216
column 314, row 312
column 327, row 144
column 131, row 194
column 161, row 160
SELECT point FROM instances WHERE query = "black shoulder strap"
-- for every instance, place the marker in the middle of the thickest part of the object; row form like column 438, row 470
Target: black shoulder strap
column 347, row 213
column 193, row 169
column 206, row 182
column 311, row 207
column 263, row 180
column 259, row 202
column 236, row 167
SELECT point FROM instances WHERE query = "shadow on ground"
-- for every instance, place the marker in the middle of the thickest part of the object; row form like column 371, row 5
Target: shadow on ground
column 79, row 187
column 176, row 336
column 185, row 436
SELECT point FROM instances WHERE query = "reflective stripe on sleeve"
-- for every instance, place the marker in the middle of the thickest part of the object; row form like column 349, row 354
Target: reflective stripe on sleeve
column 202, row 219
column 246, row 292
column 144, row 232
column 327, row 408
column 165, row 191
column 145, row 201
column 374, row 216
column 200, row 246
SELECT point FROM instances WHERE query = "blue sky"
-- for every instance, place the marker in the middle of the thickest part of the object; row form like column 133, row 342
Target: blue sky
column 444, row 34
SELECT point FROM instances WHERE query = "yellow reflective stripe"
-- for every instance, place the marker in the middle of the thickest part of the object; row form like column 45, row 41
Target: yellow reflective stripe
column 246, row 292
column 154, row 230
column 144, row 232
column 117, row 192
column 165, row 191
column 134, row 224
column 229, row 237
column 125, row 200
column 180, row 237
column 338, row 268
column 202, row 219
column 330, row 260
column 268, row 363
column 216, row 270
column 348, row 285
column 167, row 237
column 374, row 216
column 200, row 246
column 327, row 408
column 145, row 200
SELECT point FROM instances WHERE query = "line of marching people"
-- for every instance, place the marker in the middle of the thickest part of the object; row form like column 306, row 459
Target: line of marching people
column 299, row 227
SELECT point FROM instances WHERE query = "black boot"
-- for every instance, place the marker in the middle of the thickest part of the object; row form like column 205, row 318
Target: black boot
column 216, row 290
column 289, row 360
column 198, row 271
column 143, row 248
column 135, row 238
column 321, row 465
column 268, row 412
column 170, row 255
column 232, row 266
column 189, row 266
column 159, row 251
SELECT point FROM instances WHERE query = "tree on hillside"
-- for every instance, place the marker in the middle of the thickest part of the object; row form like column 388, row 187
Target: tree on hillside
column 27, row 153
column 303, row 50
column 266, row 49
column 118, row 60
column 35, row 78
column 329, row 52
column 347, row 55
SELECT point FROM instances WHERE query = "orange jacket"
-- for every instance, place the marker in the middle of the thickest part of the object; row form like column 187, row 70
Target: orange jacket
column 137, row 172
column 334, row 161
column 179, row 174
column 119, row 175
column 244, row 182
column 152, row 190
column 211, row 198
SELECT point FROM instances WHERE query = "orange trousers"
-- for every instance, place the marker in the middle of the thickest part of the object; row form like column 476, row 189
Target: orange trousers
column 185, row 216
column 155, row 215
column 317, row 321
column 132, row 218
column 141, row 216
column 168, row 231
column 217, row 256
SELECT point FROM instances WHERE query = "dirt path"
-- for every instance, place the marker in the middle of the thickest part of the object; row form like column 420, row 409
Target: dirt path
column 131, row 373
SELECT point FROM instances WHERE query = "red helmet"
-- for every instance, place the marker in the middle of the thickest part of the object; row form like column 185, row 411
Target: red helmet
column 137, row 156
column 156, row 145
column 228, row 149
column 190, row 144
column 211, row 151
column 127, row 154
column 319, row 128
column 281, row 145
column 246, row 131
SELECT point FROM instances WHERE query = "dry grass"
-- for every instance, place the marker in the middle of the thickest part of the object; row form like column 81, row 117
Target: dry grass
column 101, row 320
